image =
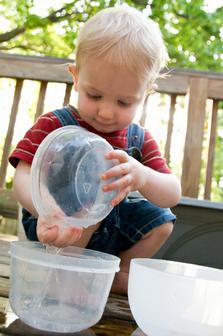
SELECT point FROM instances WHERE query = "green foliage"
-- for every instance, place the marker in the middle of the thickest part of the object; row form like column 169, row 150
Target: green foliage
column 34, row 21
column 193, row 36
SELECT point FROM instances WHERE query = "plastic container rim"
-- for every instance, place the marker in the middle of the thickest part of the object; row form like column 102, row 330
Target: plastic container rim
column 25, row 251
column 147, row 263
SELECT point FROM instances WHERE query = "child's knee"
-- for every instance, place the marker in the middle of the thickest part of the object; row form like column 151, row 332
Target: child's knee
column 161, row 232
column 164, row 230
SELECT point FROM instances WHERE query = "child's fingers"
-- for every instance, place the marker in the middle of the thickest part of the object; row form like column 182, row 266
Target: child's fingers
column 123, row 183
column 50, row 232
column 67, row 236
column 121, row 195
column 119, row 170
column 119, row 155
column 47, row 235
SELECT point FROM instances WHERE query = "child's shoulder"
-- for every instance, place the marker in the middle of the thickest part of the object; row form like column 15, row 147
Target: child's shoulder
column 48, row 121
column 67, row 115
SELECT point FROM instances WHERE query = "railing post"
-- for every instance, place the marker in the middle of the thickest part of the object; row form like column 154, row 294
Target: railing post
column 67, row 94
column 142, row 120
column 170, row 127
column 10, row 132
column 211, row 148
column 194, row 136
column 41, row 99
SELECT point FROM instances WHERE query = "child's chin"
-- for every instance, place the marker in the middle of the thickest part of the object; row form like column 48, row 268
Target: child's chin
column 105, row 129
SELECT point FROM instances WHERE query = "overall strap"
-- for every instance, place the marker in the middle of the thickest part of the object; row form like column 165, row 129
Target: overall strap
column 65, row 116
column 135, row 138
column 135, row 133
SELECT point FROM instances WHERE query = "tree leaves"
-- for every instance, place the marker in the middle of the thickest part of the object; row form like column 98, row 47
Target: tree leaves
column 193, row 36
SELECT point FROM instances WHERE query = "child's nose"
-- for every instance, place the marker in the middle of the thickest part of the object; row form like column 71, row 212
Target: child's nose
column 106, row 110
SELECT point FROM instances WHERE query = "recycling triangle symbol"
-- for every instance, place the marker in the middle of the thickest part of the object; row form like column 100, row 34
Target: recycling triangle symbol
column 87, row 187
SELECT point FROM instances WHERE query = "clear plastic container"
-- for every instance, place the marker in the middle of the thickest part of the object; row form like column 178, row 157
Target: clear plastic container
column 60, row 290
column 169, row 298
column 66, row 177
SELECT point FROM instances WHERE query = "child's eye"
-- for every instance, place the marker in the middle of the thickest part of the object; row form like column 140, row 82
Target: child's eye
column 123, row 104
column 94, row 97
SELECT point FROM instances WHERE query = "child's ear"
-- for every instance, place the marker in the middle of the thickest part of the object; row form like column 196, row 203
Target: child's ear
column 73, row 71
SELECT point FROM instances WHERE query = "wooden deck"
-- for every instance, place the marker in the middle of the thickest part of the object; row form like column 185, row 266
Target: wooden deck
column 117, row 318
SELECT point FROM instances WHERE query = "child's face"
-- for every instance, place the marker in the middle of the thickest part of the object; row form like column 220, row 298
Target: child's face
column 108, row 96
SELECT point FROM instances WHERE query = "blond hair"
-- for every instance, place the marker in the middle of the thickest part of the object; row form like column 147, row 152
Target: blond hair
column 125, row 37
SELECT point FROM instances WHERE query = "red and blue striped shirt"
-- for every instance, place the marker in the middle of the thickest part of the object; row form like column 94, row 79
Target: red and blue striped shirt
column 48, row 122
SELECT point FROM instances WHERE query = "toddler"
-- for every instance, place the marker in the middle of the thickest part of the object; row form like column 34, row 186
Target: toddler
column 119, row 56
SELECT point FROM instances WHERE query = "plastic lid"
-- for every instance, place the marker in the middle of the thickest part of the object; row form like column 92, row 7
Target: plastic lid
column 66, row 179
column 68, row 258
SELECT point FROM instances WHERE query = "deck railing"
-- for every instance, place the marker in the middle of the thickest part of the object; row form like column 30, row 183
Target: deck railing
column 197, row 87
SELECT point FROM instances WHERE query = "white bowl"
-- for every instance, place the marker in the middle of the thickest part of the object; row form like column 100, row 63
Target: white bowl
column 170, row 298
column 60, row 292
column 138, row 332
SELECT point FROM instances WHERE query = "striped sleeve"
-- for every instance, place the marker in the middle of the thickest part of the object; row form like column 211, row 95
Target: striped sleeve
column 151, row 154
column 27, row 147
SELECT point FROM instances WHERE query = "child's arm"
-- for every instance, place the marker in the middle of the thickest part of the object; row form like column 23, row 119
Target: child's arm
column 47, row 229
column 161, row 189
column 22, row 186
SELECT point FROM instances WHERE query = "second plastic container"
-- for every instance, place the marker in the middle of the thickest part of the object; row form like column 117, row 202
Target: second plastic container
column 64, row 292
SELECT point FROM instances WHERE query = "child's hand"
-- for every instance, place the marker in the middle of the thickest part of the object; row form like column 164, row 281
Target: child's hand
column 50, row 229
column 49, row 232
column 129, row 173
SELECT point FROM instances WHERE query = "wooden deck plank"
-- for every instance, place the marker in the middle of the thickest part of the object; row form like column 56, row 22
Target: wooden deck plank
column 4, row 249
column 4, row 287
column 8, row 204
column 118, row 307
column 5, row 270
column 5, row 259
